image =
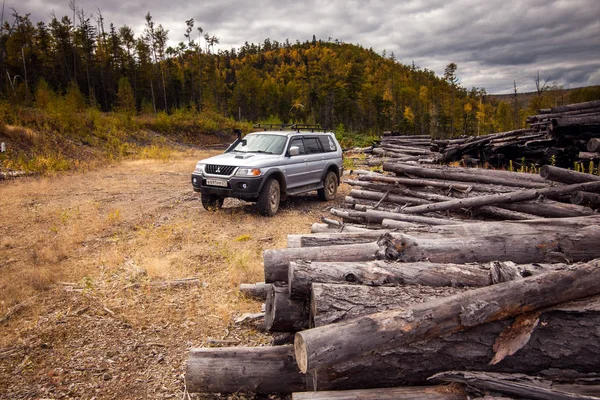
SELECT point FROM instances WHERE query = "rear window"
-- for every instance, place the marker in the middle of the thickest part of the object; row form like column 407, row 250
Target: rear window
column 327, row 143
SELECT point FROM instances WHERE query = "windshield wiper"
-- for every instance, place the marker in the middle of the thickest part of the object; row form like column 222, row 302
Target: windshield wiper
column 260, row 152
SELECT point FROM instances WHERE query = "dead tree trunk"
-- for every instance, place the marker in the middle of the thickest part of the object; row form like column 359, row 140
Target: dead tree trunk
column 257, row 290
column 276, row 261
column 335, row 343
column 243, row 369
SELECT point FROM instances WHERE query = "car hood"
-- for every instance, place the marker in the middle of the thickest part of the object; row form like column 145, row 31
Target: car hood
column 244, row 159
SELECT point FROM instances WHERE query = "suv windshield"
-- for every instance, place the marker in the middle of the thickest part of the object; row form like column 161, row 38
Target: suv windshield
column 257, row 143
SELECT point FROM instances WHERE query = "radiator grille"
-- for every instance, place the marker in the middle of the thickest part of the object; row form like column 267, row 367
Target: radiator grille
column 219, row 169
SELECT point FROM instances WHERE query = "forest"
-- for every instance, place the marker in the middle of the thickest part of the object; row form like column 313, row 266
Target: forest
column 91, row 63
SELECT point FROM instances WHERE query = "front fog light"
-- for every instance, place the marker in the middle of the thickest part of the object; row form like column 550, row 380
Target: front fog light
column 195, row 180
column 244, row 186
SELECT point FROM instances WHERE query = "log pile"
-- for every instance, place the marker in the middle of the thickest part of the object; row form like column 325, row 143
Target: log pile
column 384, row 308
column 434, row 195
column 560, row 136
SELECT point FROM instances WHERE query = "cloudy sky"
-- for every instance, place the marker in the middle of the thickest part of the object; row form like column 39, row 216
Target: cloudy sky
column 493, row 42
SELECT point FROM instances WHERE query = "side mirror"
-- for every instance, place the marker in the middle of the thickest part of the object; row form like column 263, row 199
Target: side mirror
column 294, row 151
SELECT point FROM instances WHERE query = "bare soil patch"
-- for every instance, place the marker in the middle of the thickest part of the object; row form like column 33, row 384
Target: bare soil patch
column 83, row 314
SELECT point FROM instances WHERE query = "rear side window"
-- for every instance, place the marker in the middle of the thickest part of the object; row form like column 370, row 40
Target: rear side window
column 327, row 143
column 312, row 145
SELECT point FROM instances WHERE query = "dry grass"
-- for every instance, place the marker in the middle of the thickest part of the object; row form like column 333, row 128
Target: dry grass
column 113, row 233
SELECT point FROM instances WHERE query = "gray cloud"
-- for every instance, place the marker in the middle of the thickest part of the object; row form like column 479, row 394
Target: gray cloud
column 493, row 42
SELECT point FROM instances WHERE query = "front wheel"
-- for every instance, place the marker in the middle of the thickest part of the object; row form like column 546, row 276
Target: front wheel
column 268, row 199
column 211, row 202
column 330, row 185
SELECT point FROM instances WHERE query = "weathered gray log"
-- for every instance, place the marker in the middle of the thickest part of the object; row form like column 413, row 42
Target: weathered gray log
column 548, row 208
column 576, row 120
column 378, row 216
column 586, row 198
column 382, row 273
column 243, row 369
column 470, row 175
column 593, row 144
column 257, row 290
column 521, row 195
column 519, row 247
column 334, row 239
column 576, row 106
column 346, row 215
column 282, row 338
column 585, row 155
column 283, row 314
column 319, row 347
column 513, row 384
column 393, row 198
column 566, row 176
column 276, row 261
column 325, row 228
column 555, row 342
column 404, row 393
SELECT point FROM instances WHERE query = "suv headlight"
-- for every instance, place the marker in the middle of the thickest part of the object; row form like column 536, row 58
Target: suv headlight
column 199, row 168
column 248, row 172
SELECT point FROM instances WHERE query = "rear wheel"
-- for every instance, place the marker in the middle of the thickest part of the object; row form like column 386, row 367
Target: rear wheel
column 211, row 202
column 269, row 197
column 330, row 185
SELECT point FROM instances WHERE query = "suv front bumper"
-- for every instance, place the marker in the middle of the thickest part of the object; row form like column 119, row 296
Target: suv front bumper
column 244, row 188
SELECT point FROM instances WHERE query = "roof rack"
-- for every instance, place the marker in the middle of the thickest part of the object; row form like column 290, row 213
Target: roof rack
column 291, row 127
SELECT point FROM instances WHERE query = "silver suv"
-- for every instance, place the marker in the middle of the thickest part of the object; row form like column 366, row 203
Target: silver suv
column 267, row 166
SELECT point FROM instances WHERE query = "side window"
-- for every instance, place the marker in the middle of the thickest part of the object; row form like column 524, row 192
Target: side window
column 327, row 143
column 298, row 142
column 312, row 145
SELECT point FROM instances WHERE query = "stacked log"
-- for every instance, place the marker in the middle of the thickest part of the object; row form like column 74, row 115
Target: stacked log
column 404, row 312
column 560, row 135
column 440, row 195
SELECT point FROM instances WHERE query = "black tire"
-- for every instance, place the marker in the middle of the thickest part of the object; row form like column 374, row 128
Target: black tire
column 269, row 197
column 211, row 202
column 330, row 185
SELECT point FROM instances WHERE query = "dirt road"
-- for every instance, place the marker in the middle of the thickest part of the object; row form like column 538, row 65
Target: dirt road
column 84, row 308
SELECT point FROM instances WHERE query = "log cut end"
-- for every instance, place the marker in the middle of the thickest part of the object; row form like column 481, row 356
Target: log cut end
column 300, row 353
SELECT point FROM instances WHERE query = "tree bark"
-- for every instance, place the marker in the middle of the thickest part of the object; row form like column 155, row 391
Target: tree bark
column 378, row 216
column 283, row 314
column 405, row 393
column 476, row 175
column 513, row 197
column 243, row 369
column 257, row 290
column 276, row 261
column 335, row 343
column 566, row 176
column 326, row 228
column 334, row 239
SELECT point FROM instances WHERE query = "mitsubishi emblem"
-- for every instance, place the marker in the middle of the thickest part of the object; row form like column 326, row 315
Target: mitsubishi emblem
column 218, row 171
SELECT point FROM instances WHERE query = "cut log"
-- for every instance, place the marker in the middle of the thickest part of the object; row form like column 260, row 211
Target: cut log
column 243, row 369
column 512, row 197
column 334, row 239
column 557, row 344
column 378, row 216
column 585, row 198
column 593, row 145
column 283, row 314
column 276, row 261
column 587, row 156
column 470, row 175
column 566, row 176
column 513, row 384
column 341, row 227
column 331, row 344
column 517, row 247
column 404, row 393
column 576, row 106
column 257, row 290
column 381, row 273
